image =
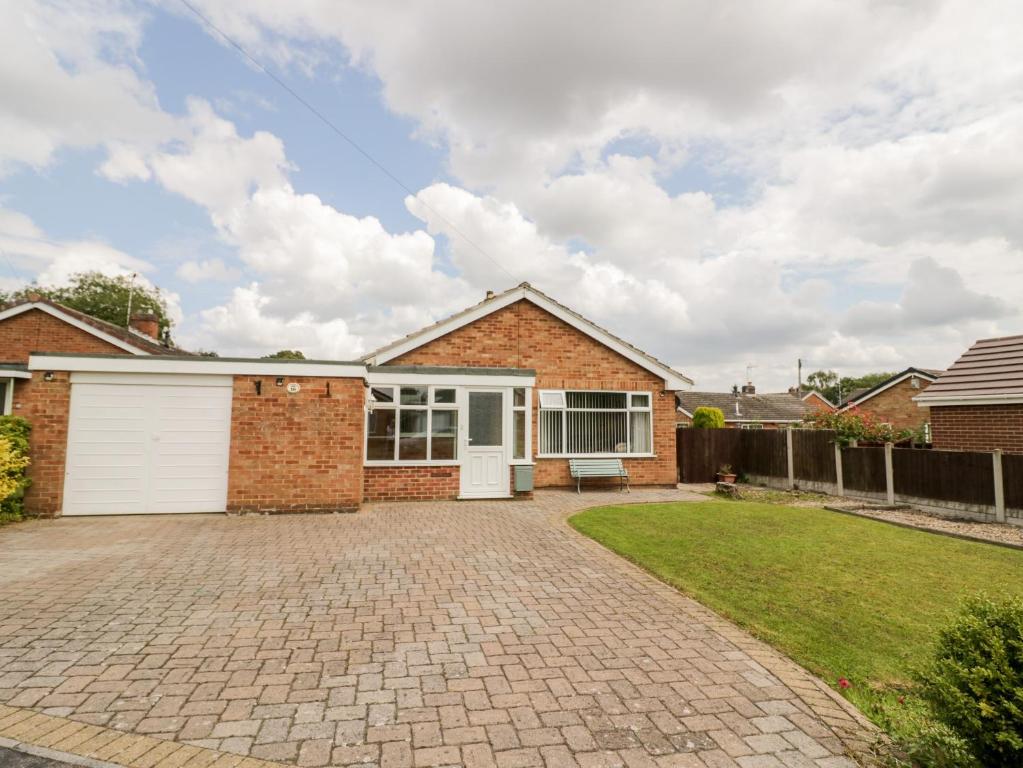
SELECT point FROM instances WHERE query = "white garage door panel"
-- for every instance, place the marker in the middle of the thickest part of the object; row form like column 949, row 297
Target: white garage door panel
column 136, row 448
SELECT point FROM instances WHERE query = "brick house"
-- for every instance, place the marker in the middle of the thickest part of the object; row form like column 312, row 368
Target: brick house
column 42, row 324
column 516, row 384
column 892, row 400
column 977, row 404
column 745, row 409
column 816, row 400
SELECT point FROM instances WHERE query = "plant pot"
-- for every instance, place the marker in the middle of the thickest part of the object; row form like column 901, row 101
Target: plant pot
column 723, row 478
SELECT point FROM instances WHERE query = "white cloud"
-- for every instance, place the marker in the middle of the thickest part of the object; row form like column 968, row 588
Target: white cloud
column 207, row 270
column 67, row 79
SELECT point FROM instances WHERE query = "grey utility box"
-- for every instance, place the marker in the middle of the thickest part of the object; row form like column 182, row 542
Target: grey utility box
column 523, row 477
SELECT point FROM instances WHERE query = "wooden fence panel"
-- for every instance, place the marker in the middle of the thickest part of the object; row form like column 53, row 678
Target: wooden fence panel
column 702, row 452
column 863, row 469
column 813, row 452
column 1012, row 476
column 763, row 452
column 944, row 475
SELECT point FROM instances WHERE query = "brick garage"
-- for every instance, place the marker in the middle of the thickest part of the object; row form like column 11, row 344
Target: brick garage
column 296, row 452
column 978, row 427
column 45, row 405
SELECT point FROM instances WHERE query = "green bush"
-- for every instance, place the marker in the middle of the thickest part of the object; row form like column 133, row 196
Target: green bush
column 14, row 432
column 974, row 683
column 705, row 417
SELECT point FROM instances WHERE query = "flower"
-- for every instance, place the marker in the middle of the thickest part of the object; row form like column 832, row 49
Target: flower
column 843, row 683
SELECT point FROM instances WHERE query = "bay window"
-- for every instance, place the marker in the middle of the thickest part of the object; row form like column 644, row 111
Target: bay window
column 412, row 424
column 595, row 423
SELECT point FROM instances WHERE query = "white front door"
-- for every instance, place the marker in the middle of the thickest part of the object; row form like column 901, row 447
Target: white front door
column 485, row 471
column 148, row 447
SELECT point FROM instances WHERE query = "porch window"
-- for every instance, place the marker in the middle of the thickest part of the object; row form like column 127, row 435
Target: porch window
column 519, row 419
column 413, row 424
column 6, row 396
column 592, row 423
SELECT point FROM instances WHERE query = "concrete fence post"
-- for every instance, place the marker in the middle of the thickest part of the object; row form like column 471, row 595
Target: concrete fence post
column 838, row 469
column 996, row 465
column 791, row 459
column 889, row 474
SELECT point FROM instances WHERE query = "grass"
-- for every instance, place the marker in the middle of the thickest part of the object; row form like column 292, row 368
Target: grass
column 842, row 595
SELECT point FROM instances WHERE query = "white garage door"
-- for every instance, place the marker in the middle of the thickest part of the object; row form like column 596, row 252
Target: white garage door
column 143, row 443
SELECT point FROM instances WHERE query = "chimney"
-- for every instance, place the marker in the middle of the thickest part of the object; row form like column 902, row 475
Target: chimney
column 748, row 388
column 146, row 323
column 490, row 295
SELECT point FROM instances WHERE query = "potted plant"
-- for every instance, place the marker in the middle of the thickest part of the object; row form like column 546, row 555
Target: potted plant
column 725, row 474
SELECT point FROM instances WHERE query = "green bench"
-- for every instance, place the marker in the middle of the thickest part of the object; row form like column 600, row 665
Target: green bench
column 581, row 468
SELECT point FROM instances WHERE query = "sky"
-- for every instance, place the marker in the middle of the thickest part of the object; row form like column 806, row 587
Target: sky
column 730, row 186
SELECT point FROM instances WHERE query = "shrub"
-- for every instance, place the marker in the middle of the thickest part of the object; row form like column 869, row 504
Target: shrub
column 974, row 682
column 705, row 417
column 14, row 432
column 854, row 424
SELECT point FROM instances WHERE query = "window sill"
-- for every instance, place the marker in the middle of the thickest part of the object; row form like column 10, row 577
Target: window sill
column 411, row 463
column 596, row 456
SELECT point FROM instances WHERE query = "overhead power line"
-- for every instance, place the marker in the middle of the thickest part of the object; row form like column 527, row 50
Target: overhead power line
column 333, row 127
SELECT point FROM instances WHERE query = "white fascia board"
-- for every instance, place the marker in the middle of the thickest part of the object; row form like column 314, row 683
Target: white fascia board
column 680, row 409
column 160, row 364
column 672, row 380
column 449, row 379
column 64, row 317
column 12, row 374
column 938, row 400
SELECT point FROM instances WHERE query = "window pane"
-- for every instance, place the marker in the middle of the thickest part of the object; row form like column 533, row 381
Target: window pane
column 380, row 440
column 3, row 398
column 640, row 401
column 413, row 395
column 596, row 400
column 412, row 442
column 596, row 432
column 519, row 441
column 640, row 421
column 550, row 431
column 485, row 423
column 382, row 394
column 445, row 435
column 519, row 397
column 443, row 395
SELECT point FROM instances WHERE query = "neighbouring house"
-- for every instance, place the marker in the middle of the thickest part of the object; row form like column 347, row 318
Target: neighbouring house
column 39, row 324
column 815, row 400
column 469, row 407
column 892, row 400
column 977, row 404
column 745, row 409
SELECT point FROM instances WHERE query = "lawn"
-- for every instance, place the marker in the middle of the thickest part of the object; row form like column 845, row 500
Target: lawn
column 842, row 595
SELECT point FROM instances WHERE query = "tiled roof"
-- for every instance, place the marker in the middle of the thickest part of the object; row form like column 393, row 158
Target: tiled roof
column 767, row 407
column 128, row 336
column 991, row 368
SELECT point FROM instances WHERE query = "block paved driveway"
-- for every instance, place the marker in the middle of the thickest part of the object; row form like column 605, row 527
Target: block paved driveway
column 428, row 634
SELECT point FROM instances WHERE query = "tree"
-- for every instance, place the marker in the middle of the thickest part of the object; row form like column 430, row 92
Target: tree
column 285, row 354
column 836, row 389
column 104, row 297
column 705, row 417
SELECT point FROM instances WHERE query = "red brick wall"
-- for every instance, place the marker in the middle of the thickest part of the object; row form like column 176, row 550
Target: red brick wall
column 977, row 427
column 295, row 453
column 524, row 336
column 45, row 404
column 36, row 331
column 416, row 483
column 895, row 406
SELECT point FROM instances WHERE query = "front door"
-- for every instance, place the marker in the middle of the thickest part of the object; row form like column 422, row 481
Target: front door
column 484, row 472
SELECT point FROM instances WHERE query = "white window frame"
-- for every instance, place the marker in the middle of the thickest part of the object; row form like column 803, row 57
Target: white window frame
column 7, row 404
column 429, row 406
column 551, row 396
column 525, row 408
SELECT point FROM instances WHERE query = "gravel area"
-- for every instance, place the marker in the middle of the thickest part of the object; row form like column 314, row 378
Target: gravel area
column 998, row 532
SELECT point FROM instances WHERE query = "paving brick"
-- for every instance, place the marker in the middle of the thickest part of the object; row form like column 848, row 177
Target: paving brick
column 482, row 634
